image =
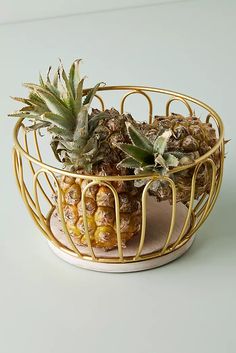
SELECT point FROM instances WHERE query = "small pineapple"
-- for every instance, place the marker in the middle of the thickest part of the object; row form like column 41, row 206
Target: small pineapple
column 190, row 136
column 86, row 144
column 167, row 143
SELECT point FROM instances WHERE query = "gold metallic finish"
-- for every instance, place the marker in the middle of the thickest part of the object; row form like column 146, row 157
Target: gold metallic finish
column 101, row 101
column 197, row 211
column 85, row 219
column 181, row 100
column 144, row 217
column 210, row 197
column 117, row 213
column 40, row 158
column 62, row 218
column 145, row 95
column 32, row 168
column 173, row 216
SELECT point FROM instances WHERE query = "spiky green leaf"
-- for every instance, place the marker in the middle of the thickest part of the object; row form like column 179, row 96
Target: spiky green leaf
column 129, row 162
column 55, row 105
column 21, row 100
column 74, row 76
column 37, row 126
column 137, row 153
column 65, row 134
column 94, row 120
column 171, row 160
column 138, row 139
column 68, row 85
column 54, row 145
column 57, row 120
column 81, row 129
column 48, row 75
column 161, row 141
column 88, row 99
column 24, row 115
column 159, row 161
column 79, row 95
column 41, row 81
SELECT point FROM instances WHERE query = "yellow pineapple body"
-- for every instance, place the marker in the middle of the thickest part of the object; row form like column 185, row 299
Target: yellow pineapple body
column 100, row 212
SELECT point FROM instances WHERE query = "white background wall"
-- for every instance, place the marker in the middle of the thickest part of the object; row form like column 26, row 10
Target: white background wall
column 188, row 306
column 27, row 10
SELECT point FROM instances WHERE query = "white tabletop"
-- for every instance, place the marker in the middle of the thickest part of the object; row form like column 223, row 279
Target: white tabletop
column 187, row 306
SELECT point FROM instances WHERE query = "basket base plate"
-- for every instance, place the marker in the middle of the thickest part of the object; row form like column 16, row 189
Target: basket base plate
column 158, row 222
column 124, row 267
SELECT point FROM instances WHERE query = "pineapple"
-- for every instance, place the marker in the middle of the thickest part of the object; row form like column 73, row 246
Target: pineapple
column 190, row 136
column 167, row 143
column 86, row 143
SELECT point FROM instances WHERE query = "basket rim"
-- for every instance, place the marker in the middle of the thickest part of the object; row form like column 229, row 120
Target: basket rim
column 201, row 159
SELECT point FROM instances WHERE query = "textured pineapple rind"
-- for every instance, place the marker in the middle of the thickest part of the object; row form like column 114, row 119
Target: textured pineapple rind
column 100, row 212
column 190, row 135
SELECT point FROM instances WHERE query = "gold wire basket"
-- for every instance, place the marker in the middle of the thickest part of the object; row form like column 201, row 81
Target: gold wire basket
column 167, row 230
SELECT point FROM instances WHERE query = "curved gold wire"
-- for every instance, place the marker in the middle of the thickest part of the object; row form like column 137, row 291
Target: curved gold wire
column 173, row 215
column 219, row 182
column 101, row 101
column 181, row 100
column 15, row 156
column 194, row 218
column 144, row 218
column 210, row 197
column 144, row 215
column 200, row 202
column 18, row 171
column 190, row 205
column 33, row 170
column 112, row 178
column 40, row 158
column 145, row 95
column 16, row 167
column 61, row 213
column 25, row 200
column 117, row 213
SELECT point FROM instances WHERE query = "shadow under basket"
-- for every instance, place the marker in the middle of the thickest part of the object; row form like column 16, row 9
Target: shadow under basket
column 167, row 229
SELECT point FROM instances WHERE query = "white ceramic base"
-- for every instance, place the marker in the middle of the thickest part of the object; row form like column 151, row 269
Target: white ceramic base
column 158, row 222
column 125, row 267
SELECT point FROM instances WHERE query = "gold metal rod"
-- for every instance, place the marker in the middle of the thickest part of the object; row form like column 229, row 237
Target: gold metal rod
column 22, row 186
column 192, row 195
column 101, row 101
column 33, row 171
column 209, row 116
column 181, row 100
column 173, row 215
column 54, row 240
column 106, row 178
column 117, row 213
column 144, row 218
column 85, row 221
column 31, row 212
column 142, row 93
column 16, row 171
column 203, row 216
column 200, row 202
column 59, row 202
column 40, row 158
column 219, row 182
column 16, row 167
column 195, row 217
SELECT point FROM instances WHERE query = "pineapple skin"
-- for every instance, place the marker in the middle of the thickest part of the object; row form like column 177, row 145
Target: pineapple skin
column 100, row 212
column 99, row 199
column 190, row 135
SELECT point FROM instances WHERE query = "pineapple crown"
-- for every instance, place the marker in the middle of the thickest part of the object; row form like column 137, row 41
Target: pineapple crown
column 58, row 105
column 146, row 156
